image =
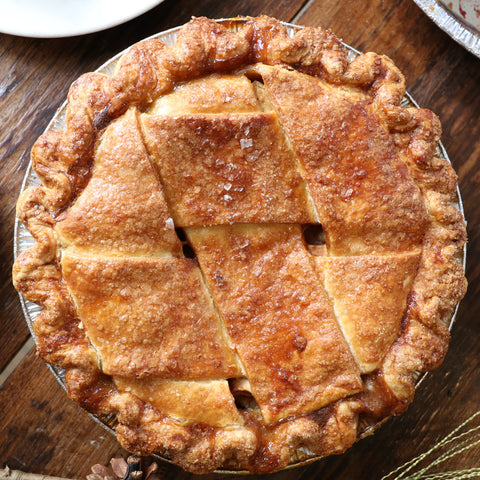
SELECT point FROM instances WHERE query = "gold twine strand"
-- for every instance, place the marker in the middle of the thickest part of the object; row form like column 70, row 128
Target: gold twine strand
column 454, row 475
column 461, row 443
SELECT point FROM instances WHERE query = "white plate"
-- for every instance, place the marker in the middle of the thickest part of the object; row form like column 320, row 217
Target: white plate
column 64, row 18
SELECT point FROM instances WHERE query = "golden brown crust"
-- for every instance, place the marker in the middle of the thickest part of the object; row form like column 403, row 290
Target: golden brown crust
column 215, row 93
column 405, row 188
column 365, row 198
column 369, row 296
column 121, row 211
column 208, row 401
column 218, row 169
column 278, row 316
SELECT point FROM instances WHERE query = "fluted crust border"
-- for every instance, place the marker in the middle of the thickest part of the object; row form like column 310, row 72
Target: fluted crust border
column 63, row 160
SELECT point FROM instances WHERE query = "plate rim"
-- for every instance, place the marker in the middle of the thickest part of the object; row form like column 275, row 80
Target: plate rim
column 19, row 28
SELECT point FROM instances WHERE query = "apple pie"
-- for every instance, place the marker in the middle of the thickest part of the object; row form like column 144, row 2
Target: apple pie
column 246, row 247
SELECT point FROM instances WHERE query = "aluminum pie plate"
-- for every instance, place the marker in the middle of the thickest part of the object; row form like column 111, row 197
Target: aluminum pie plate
column 23, row 240
column 461, row 30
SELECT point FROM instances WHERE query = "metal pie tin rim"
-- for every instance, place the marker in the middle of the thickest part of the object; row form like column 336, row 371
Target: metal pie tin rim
column 463, row 33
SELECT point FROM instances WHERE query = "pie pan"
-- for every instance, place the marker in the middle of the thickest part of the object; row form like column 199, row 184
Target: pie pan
column 459, row 29
column 23, row 240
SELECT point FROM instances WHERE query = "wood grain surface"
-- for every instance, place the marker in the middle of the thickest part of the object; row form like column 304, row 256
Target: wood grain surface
column 41, row 430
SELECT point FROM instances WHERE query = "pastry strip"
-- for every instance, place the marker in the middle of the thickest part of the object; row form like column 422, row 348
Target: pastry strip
column 122, row 210
column 149, row 317
column 209, row 402
column 366, row 199
column 369, row 295
column 229, row 168
column 278, row 316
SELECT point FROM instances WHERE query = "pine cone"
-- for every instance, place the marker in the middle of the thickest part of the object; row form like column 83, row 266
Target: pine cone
column 121, row 469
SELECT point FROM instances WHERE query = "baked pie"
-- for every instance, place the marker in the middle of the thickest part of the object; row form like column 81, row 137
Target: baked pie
column 246, row 249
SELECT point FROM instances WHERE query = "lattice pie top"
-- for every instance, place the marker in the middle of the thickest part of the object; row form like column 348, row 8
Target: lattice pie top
column 245, row 248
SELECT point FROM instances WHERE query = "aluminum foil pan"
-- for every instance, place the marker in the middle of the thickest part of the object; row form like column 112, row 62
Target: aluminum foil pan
column 460, row 24
column 23, row 240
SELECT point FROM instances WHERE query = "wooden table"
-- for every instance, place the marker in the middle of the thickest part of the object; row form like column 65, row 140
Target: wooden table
column 40, row 429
